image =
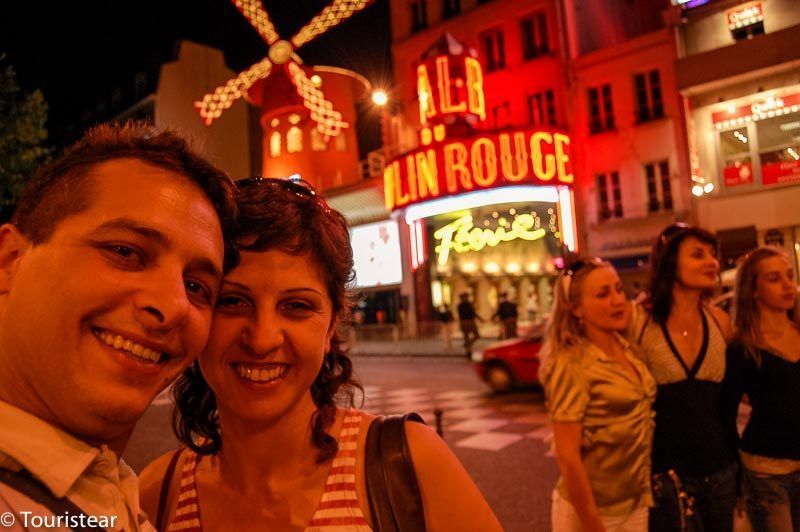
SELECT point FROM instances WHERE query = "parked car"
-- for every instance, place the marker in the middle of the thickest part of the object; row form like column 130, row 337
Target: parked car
column 510, row 363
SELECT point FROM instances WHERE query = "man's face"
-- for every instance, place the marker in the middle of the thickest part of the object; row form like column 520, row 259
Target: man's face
column 112, row 308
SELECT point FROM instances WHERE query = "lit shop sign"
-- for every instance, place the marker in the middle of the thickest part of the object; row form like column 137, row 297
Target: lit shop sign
column 745, row 15
column 762, row 109
column 462, row 236
column 483, row 162
column 448, row 85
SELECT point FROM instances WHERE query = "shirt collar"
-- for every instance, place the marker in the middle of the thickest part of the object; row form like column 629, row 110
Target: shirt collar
column 599, row 354
column 50, row 454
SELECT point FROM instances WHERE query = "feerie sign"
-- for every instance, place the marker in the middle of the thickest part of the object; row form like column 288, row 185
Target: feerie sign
column 524, row 157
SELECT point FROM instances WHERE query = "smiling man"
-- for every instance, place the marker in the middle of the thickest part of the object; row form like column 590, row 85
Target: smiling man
column 108, row 276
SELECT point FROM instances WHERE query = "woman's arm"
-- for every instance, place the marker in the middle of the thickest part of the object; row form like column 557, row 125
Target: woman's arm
column 450, row 498
column 568, row 455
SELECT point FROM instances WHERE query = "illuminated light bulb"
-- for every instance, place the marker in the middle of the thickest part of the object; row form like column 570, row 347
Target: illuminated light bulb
column 731, row 108
column 380, row 98
column 425, row 136
column 274, row 122
column 697, row 190
column 533, row 267
column 316, row 80
column 491, row 267
column 495, row 215
column 513, row 267
column 469, row 267
column 708, row 188
column 512, row 212
column 502, row 222
column 439, row 132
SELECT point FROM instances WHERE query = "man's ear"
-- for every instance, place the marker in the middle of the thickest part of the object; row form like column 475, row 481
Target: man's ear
column 12, row 245
column 329, row 335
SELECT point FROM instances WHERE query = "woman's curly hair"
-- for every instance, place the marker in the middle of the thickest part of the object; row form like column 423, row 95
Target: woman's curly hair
column 284, row 215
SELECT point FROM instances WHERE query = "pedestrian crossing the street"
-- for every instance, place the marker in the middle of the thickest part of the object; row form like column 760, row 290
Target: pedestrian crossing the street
column 471, row 419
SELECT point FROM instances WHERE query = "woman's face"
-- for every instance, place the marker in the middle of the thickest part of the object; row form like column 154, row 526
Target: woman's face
column 775, row 287
column 698, row 266
column 603, row 304
column 272, row 327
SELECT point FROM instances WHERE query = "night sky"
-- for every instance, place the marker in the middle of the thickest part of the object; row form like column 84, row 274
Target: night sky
column 78, row 52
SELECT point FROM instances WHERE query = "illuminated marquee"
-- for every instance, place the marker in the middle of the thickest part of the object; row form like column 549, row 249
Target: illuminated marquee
column 488, row 161
column 462, row 236
column 457, row 88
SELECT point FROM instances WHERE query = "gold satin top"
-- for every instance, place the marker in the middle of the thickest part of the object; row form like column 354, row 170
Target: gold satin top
column 583, row 385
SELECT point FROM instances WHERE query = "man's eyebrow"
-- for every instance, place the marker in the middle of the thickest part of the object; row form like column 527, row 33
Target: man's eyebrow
column 207, row 266
column 127, row 224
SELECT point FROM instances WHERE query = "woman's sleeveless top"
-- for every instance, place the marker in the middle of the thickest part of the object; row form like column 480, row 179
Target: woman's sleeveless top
column 338, row 510
column 690, row 433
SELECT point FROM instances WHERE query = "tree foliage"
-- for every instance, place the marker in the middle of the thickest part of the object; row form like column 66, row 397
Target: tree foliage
column 22, row 132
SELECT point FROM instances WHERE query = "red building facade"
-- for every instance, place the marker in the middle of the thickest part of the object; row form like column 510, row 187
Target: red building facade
column 600, row 74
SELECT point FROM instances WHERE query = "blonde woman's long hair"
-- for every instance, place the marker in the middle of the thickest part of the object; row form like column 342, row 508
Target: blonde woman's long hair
column 564, row 330
column 745, row 308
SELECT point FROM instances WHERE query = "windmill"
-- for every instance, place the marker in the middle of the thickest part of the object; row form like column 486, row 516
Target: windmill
column 282, row 54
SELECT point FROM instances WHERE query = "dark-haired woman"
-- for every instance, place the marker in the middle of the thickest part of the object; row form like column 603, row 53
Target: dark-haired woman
column 267, row 447
column 764, row 363
column 683, row 341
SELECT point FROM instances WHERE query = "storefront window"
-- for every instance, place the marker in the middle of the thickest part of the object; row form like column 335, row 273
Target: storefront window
column 737, row 166
column 779, row 149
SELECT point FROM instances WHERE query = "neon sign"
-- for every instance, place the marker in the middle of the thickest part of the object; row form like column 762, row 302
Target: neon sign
column 488, row 161
column 768, row 107
column 462, row 236
column 458, row 88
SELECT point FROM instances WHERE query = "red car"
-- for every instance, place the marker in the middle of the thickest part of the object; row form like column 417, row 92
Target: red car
column 509, row 363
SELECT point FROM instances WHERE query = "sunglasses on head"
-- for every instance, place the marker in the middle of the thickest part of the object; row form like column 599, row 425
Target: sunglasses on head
column 300, row 187
column 674, row 230
column 576, row 266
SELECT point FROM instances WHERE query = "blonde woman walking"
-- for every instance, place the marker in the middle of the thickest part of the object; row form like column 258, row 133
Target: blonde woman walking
column 599, row 396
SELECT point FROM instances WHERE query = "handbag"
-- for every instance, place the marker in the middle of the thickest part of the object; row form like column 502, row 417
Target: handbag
column 392, row 487
column 669, row 490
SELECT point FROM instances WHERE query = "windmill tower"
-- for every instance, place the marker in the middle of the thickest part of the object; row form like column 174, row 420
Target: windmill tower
column 306, row 112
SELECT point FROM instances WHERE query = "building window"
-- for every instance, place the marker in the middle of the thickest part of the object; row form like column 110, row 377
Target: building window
column 317, row 141
column 419, row 15
column 294, row 140
column 341, row 142
column 494, row 50
column 542, row 108
column 534, row 36
column 275, row 144
column 649, row 104
column 659, row 188
column 779, row 148
column 501, row 115
column 609, row 196
column 601, row 110
column 451, row 8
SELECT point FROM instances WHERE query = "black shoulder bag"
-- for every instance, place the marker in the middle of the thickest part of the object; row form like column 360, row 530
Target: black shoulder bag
column 392, row 488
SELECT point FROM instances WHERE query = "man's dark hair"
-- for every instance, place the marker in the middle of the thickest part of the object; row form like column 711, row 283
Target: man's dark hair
column 62, row 188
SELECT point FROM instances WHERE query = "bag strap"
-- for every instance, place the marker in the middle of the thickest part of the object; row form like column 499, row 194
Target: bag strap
column 392, row 487
column 34, row 489
column 164, row 494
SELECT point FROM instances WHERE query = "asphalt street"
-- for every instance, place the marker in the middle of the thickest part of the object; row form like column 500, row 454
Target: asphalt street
column 502, row 440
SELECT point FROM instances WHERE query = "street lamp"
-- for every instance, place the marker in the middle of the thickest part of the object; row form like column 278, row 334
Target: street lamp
column 380, row 98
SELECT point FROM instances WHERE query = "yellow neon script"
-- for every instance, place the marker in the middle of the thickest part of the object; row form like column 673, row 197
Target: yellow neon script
column 462, row 236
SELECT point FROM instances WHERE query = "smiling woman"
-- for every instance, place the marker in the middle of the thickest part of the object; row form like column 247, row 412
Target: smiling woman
column 267, row 414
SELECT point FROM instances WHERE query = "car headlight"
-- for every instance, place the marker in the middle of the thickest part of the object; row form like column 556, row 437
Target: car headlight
column 477, row 355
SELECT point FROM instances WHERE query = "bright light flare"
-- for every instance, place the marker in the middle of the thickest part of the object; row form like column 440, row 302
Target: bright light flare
column 380, row 98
